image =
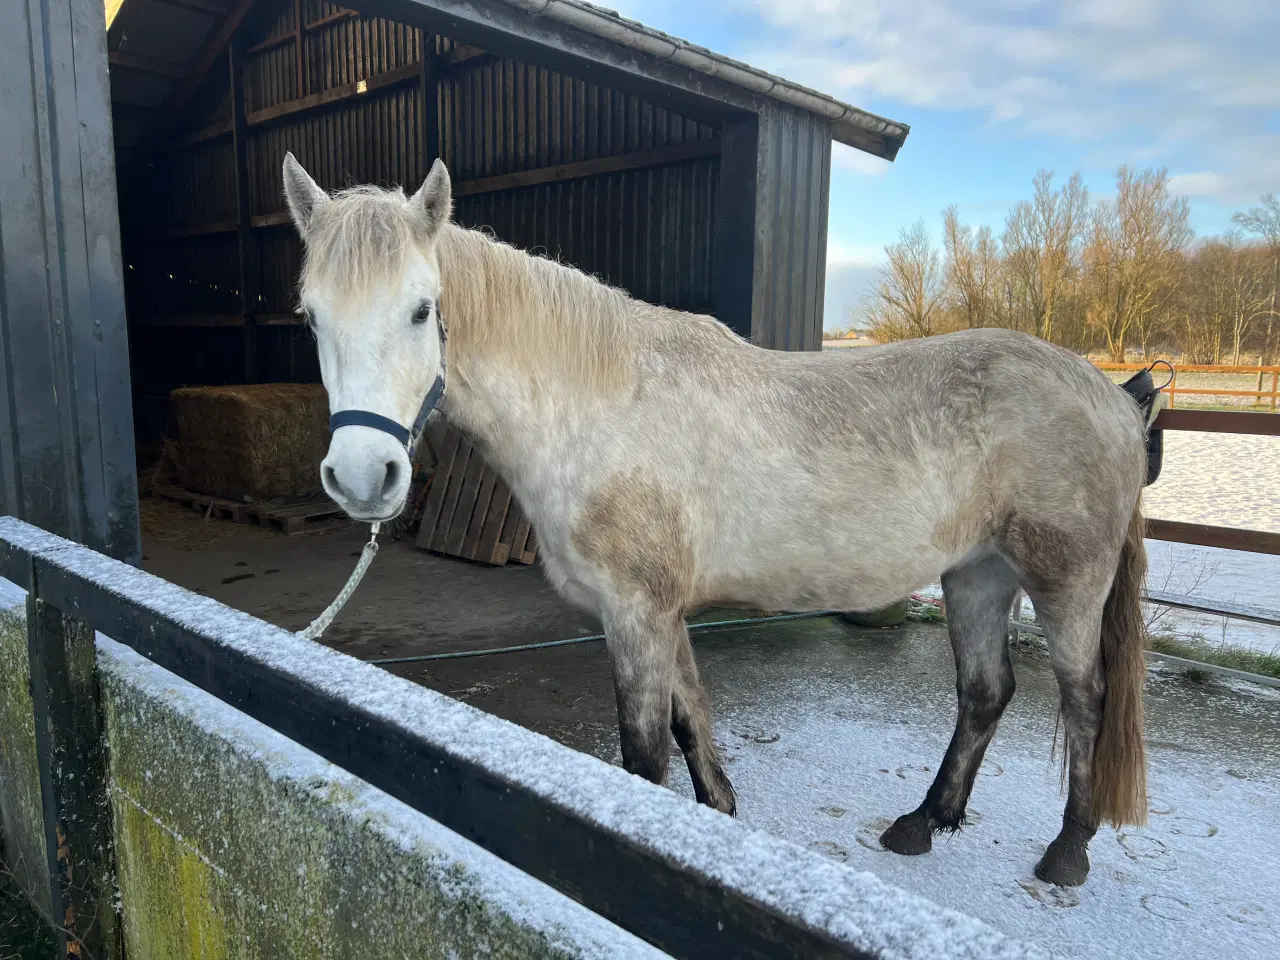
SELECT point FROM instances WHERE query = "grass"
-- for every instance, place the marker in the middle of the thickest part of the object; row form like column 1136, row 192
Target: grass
column 1198, row 648
column 23, row 935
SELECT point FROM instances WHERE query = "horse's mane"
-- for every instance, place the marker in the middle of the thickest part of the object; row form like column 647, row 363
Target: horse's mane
column 531, row 313
column 535, row 314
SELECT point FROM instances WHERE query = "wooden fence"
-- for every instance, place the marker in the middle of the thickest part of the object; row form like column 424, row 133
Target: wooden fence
column 1228, row 538
column 1261, row 397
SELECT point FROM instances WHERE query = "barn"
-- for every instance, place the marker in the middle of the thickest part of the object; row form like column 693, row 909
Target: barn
column 685, row 177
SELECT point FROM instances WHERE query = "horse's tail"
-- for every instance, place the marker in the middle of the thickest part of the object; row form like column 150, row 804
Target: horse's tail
column 1119, row 760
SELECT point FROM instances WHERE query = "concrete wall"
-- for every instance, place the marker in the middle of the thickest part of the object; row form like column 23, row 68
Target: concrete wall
column 232, row 841
column 21, row 820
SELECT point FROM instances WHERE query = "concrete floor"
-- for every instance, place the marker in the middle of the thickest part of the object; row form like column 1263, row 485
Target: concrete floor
column 829, row 732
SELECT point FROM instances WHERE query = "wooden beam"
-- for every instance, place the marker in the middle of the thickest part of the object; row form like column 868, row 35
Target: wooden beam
column 653, row 157
column 215, row 320
column 1226, row 538
column 330, row 19
column 153, row 65
column 297, row 48
column 1220, row 421
column 638, row 160
column 282, row 40
column 327, row 20
column 215, row 131
column 347, row 91
column 246, row 243
column 429, row 116
column 463, row 56
column 199, row 230
column 171, row 110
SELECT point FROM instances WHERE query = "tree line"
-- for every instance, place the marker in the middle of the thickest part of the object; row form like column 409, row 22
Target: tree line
column 1118, row 276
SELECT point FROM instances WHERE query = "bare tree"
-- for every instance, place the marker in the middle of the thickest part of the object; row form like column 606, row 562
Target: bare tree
column 972, row 268
column 1264, row 221
column 1042, row 237
column 909, row 301
column 1131, row 256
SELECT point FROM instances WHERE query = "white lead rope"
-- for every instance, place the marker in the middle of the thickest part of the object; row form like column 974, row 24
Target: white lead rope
column 321, row 623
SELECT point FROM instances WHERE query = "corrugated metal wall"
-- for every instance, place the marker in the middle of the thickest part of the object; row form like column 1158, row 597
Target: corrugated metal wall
column 650, row 230
column 792, row 197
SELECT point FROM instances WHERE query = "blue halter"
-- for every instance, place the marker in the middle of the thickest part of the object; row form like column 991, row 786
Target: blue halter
column 404, row 435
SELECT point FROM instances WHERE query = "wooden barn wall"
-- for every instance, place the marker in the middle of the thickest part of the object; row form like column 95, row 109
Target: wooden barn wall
column 651, row 230
column 793, row 175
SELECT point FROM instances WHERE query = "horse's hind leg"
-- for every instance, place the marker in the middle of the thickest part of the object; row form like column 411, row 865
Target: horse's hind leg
column 691, row 725
column 979, row 595
column 1072, row 627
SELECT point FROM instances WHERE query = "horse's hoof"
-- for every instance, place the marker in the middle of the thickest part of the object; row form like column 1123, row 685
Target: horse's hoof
column 1064, row 864
column 910, row 835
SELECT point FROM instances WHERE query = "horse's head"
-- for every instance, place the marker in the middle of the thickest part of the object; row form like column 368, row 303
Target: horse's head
column 369, row 290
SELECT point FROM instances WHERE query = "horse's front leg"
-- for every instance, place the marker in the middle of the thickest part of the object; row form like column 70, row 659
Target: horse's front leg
column 642, row 645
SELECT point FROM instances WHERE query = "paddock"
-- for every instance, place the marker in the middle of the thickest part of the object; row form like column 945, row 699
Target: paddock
column 262, row 797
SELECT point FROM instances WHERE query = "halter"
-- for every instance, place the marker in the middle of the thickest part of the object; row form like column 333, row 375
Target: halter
column 407, row 437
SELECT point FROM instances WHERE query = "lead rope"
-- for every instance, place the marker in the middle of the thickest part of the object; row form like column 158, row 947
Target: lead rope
column 321, row 623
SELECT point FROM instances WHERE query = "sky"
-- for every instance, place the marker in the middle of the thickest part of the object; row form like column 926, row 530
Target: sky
column 994, row 90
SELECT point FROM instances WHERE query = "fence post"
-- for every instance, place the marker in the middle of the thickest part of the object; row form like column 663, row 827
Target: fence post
column 1259, row 380
column 71, row 754
column 1275, row 388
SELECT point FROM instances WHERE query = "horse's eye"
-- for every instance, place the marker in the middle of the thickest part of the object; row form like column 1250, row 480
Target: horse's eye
column 423, row 313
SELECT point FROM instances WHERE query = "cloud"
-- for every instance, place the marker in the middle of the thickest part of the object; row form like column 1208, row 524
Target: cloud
column 1173, row 79
column 1203, row 183
column 847, row 158
column 842, row 253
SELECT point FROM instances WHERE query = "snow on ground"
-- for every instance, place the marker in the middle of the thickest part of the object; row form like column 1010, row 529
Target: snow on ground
column 1227, row 480
column 829, row 733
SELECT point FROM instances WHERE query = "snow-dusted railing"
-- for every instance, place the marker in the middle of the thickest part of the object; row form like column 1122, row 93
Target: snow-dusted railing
column 694, row 882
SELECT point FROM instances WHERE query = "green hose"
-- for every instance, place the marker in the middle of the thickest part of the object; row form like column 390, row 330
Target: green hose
column 751, row 621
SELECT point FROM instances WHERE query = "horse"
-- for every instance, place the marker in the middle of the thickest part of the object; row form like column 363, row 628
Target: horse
column 669, row 464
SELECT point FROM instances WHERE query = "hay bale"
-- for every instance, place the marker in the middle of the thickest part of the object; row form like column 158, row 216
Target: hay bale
column 259, row 441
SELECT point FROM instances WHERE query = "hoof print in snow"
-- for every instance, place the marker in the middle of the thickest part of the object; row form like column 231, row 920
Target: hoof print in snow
column 1049, row 895
column 910, row 773
column 1250, row 914
column 758, row 736
column 1148, row 851
column 989, row 768
column 1159, row 807
column 834, row 812
column 1166, row 908
column 1191, row 827
column 830, row 849
column 869, row 833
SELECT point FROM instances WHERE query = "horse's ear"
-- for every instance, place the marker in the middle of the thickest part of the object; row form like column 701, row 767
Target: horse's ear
column 302, row 193
column 434, row 200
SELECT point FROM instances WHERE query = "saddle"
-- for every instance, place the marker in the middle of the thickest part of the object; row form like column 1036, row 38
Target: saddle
column 1150, row 400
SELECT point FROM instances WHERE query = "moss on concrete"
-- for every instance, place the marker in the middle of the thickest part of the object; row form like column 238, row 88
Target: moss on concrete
column 21, row 817
column 230, row 846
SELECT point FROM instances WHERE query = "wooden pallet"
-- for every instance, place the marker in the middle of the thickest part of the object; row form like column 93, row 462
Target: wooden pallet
column 469, row 511
column 290, row 516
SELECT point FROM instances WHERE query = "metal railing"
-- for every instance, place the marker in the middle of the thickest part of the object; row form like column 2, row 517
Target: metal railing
column 693, row 882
